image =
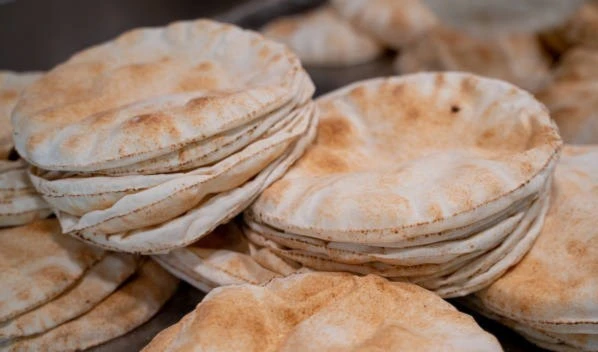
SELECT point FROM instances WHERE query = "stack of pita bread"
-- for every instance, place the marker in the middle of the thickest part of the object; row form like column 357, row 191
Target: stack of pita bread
column 58, row 293
column 19, row 202
column 572, row 96
column 149, row 141
column 551, row 296
column 394, row 23
column 514, row 57
column 350, row 32
column 580, row 30
column 322, row 37
column 438, row 179
column 324, row 312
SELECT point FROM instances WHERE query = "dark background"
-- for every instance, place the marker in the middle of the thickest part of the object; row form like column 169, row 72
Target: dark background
column 38, row 34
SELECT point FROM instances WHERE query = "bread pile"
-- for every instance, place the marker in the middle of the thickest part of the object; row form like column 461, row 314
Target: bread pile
column 19, row 202
column 572, row 97
column 438, row 179
column 514, row 57
column 324, row 312
column 60, row 294
column 322, row 37
column 147, row 142
column 580, row 30
column 551, row 296
column 350, row 32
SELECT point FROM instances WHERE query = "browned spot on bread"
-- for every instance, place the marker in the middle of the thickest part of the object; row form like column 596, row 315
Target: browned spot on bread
column 276, row 190
column 335, row 131
column 204, row 66
column 146, row 119
column 74, row 142
column 264, row 53
column 488, row 134
column 439, row 80
column 322, row 161
column 284, row 28
column 197, row 82
column 435, row 211
column 8, row 95
column 468, row 85
column 24, row 295
column 152, row 126
column 201, row 102
column 576, row 248
column 34, row 140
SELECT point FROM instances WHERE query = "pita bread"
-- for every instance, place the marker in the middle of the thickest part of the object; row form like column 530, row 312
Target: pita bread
column 11, row 85
column 211, row 150
column 545, row 339
column 514, row 57
column 38, row 263
column 366, row 181
column 322, row 38
column 461, row 276
column 394, row 23
column 219, row 259
column 572, row 96
column 205, row 217
column 149, row 92
column 321, row 262
column 99, row 282
column 581, row 30
column 79, row 196
column 127, row 308
column 435, row 253
column 324, row 311
column 556, row 283
column 484, row 270
column 19, row 203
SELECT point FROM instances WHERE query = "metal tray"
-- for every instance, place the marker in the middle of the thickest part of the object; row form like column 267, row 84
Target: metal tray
column 253, row 15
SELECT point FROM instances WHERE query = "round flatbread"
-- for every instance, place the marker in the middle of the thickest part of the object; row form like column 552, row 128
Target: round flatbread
column 19, row 202
column 151, row 91
column 219, row 259
column 514, row 57
column 555, row 287
column 572, row 96
column 406, row 157
column 322, row 38
column 130, row 306
column 580, row 30
column 37, row 263
column 394, row 23
column 324, row 311
column 197, row 221
column 11, row 85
